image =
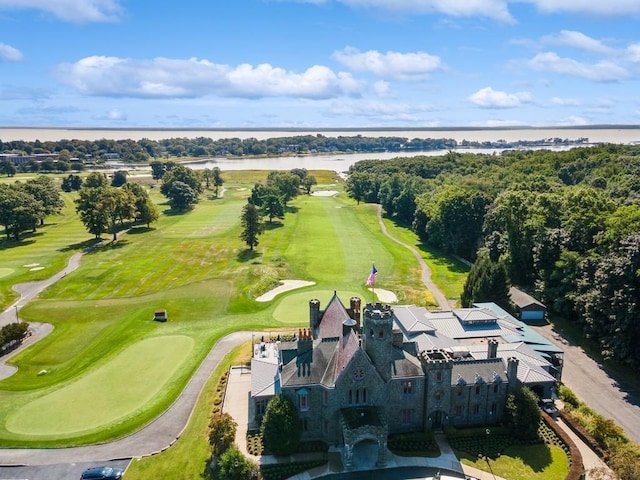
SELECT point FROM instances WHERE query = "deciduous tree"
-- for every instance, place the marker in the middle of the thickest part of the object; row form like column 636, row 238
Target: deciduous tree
column 252, row 225
column 281, row 426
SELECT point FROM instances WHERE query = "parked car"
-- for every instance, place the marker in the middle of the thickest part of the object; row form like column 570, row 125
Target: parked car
column 102, row 473
column 548, row 406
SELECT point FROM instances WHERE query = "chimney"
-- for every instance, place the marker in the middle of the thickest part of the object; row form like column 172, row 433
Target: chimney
column 348, row 325
column 305, row 341
column 398, row 339
column 314, row 314
column 354, row 310
column 492, row 348
column 512, row 373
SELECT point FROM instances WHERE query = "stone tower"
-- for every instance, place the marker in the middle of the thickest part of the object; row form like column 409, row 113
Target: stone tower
column 377, row 333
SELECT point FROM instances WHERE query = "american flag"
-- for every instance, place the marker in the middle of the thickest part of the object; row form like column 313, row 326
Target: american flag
column 371, row 280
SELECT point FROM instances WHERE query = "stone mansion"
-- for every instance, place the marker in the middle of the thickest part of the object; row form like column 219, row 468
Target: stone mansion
column 362, row 374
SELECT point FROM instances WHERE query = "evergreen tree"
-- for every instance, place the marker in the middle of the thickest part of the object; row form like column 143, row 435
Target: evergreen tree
column 487, row 282
column 252, row 225
column 281, row 426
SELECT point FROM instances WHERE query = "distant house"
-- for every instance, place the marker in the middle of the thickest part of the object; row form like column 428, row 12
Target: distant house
column 160, row 316
column 528, row 307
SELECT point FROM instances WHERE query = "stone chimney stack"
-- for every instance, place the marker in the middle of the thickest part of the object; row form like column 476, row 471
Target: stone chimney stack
column 512, row 373
column 492, row 348
column 314, row 314
column 305, row 340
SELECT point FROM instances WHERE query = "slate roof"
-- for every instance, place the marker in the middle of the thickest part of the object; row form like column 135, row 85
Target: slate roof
column 470, row 372
column 332, row 318
column 532, row 368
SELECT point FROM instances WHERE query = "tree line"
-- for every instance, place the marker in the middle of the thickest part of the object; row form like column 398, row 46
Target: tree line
column 564, row 226
column 25, row 205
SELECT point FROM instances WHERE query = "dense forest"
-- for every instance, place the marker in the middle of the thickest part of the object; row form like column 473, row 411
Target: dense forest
column 564, row 225
column 131, row 151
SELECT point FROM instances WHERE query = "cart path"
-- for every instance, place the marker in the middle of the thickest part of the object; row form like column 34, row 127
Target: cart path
column 443, row 303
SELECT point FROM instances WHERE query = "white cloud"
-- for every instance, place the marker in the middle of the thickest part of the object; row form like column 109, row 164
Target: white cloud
column 10, row 54
column 603, row 71
column 489, row 98
column 404, row 66
column 565, row 102
column 575, row 120
column 112, row 115
column 593, row 7
column 381, row 110
column 579, row 40
column 381, row 89
column 177, row 78
column 495, row 9
column 633, row 52
column 77, row 11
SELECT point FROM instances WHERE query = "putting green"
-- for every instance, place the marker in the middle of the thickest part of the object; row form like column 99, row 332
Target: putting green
column 4, row 272
column 294, row 308
column 108, row 394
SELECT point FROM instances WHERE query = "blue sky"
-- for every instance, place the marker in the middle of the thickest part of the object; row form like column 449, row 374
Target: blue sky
column 319, row 63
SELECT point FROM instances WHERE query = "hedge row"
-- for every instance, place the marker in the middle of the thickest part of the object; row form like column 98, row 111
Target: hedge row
column 281, row 471
column 12, row 334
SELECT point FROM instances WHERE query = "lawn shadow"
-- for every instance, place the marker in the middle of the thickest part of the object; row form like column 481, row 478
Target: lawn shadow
column 8, row 244
column 291, row 209
column 170, row 212
column 451, row 263
column 273, row 225
column 85, row 246
column 111, row 245
column 139, row 229
column 537, row 457
column 247, row 255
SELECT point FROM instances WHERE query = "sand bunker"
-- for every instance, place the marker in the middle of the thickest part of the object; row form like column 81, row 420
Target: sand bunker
column 385, row 296
column 285, row 286
column 29, row 265
column 36, row 268
column 325, row 193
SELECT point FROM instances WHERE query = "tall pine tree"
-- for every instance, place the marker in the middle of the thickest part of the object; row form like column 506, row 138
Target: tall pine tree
column 487, row 282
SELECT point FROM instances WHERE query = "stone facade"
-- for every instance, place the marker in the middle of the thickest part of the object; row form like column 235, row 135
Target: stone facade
column 355, row 376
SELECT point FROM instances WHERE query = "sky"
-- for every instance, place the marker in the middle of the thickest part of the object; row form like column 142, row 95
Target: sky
column 319, row 63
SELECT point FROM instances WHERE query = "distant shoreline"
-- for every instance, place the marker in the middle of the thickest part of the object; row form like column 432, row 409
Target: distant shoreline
column 335, row 129
column 619, row 134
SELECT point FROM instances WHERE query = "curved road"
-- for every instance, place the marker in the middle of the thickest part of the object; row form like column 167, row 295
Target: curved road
column 443, row 303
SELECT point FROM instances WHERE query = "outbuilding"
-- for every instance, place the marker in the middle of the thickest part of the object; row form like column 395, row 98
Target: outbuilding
column 160, row 316
column 528, row 308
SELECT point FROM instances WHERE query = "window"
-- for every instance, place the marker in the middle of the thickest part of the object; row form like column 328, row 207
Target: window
column 459, row 391
column 371, row 332
column 364, row 395
column 304, row 424
column 495, row 388
column 350, row 397
column 406, row 415
column 357, row 396
column 407, row 388
column 325, row 426
column 261, row 406
column 325, row 397
column 476, row 409
column 381, row 334
column 439, row 376
column 458, row 411
column 494, row 408
column 303, row 400
column 437, row 396
column 477, row 389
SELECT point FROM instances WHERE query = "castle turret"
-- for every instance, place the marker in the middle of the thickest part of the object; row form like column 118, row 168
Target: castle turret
column 377, row 332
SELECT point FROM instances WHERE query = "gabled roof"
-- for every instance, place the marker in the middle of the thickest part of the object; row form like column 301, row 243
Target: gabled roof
column 523, row 299
column 332, row 318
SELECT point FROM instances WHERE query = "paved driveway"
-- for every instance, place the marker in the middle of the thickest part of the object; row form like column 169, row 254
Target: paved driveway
column 597, row 387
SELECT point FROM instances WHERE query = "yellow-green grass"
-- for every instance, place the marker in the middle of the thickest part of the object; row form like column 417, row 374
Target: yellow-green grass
column 121, row 388
column 194, row 266
column 50, row 247
column 187, row 458
column 447, row 272
column 530, row 462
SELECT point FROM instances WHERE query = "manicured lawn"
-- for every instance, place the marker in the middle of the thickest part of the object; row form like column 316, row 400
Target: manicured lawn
column 532, row 462
column 106, row 395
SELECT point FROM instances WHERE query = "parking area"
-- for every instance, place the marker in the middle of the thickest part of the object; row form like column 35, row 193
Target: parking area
column 63, row 471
